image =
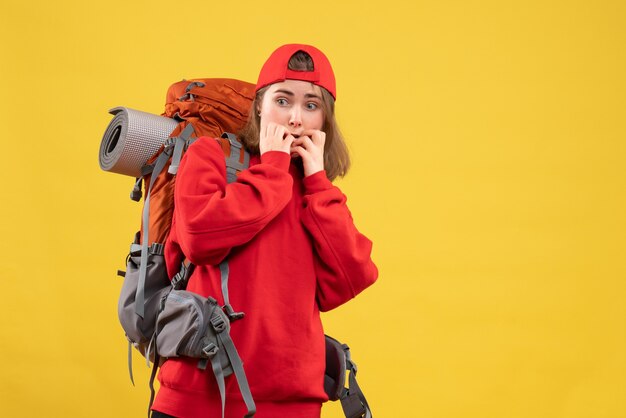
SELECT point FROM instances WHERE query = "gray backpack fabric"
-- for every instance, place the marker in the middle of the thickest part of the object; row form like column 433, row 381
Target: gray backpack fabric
column 140, row 330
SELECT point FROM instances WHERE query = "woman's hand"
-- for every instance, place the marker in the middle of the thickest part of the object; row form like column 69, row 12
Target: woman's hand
column 310, row 147
column 274, row 137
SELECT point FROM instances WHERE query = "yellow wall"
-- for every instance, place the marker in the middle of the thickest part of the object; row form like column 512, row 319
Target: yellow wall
column 488, row 142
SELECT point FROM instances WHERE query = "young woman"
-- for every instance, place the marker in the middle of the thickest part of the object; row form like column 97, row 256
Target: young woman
column 291, row 244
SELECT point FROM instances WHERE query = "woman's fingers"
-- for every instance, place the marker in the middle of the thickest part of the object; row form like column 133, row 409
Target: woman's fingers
column 317, row 137
column 288, row 141
column 305, row 142
column 310, row 146
column 274, row 137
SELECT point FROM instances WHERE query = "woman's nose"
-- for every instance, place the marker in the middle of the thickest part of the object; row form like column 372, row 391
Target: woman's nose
column 295, row 118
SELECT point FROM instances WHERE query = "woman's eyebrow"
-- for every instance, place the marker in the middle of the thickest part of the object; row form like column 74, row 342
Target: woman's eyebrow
column 291, row 94
column 287, row 92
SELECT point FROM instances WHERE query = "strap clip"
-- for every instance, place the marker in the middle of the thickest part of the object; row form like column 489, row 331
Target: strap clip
column 136, row 193
column 218, row 323
column 210, row 350
column 231, row 314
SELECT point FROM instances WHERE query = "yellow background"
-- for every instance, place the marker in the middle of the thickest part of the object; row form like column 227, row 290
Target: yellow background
column 488, row 147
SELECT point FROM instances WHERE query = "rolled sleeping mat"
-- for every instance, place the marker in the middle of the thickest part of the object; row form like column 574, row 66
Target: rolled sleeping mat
column 131, row 138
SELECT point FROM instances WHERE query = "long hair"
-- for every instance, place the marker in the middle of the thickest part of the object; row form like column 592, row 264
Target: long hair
column 336, row 156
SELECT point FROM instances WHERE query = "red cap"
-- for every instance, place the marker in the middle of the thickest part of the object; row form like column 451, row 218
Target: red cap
column 276, row 68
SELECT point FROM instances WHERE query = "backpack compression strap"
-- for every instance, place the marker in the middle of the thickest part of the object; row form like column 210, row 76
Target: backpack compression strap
column 159, row 165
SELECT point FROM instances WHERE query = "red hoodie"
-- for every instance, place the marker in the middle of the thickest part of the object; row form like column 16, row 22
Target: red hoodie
column 292, row 250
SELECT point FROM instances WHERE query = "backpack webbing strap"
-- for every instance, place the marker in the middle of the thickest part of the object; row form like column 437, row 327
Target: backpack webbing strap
column 233, row 166
column 179, row 144
column 180, row 279
column 224, row 270
column 237, row 365
column 159, row 165
column 181, row 141
column 219, row 377
column 233, row 161
column 353, row 400
column 228, row 309
column 215, row 356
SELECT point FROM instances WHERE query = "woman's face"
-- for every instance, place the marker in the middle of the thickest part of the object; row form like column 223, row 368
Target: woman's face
column 294, row 104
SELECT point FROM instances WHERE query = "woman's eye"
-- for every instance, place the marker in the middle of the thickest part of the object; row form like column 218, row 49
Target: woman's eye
column 282, row 102
column 311, row 106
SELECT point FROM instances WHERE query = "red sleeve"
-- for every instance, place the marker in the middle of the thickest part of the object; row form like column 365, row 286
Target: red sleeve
column 343, row 261
column 213, row 216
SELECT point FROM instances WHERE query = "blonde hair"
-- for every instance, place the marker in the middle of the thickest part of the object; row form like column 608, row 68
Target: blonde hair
column 336, row 156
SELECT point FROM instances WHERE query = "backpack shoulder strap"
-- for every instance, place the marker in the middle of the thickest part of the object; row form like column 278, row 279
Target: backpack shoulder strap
column 237, row 158
column 181, row 143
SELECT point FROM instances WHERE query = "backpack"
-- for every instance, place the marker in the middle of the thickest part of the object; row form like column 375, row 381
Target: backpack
column 159, row 317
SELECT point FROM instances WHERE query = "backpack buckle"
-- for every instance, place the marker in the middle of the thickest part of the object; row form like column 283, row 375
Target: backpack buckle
column 218, row 323
column 210, row 350
column 231, row 314
column 177, row 279
column 156, row 248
